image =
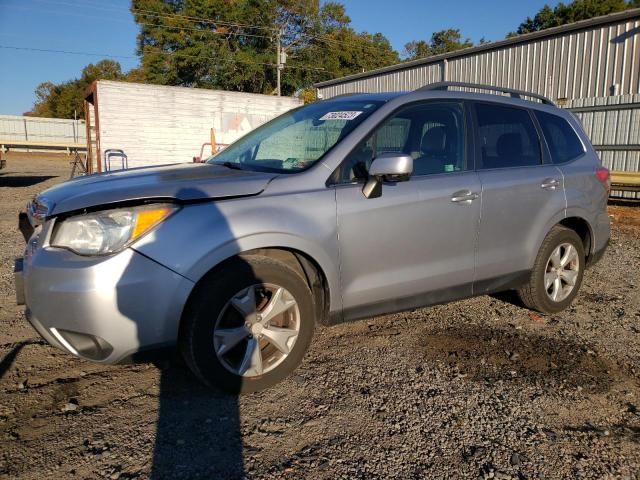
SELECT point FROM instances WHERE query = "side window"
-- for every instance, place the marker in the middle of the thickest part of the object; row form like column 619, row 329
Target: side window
column 392, row 136
column 508, row 137
column 432, row 133
column 562, row 140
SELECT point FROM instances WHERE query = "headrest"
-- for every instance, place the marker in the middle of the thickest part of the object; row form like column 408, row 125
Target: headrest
column 434, row 141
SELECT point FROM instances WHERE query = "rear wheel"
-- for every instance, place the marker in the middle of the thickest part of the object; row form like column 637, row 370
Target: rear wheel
column 557, row 273
column 248, row 325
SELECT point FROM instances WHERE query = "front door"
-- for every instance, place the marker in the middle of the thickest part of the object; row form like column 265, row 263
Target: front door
column 413, row 245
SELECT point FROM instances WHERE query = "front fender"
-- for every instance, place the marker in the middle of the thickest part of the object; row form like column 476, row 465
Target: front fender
column 201, row 236
column 266, row 240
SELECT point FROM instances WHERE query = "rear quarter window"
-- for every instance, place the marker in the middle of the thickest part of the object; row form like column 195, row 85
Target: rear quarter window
column 564, row 144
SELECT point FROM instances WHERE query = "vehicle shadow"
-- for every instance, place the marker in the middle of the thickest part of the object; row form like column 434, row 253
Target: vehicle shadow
column 508, row 296
column 9, row 358
column 23, row 180
column 198, row 428
column 197, row 431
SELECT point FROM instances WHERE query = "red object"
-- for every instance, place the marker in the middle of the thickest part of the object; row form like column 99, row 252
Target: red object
column 535, row 318
column 604, row 176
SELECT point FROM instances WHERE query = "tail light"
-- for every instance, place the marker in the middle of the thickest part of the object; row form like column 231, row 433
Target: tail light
column 604, row 176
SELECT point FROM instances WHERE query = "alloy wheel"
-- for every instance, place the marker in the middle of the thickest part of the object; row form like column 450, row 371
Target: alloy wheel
column 561, row 274
column 256, row 330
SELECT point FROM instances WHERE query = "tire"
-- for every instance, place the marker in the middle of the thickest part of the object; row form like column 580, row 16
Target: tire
column 218, row 311
column 535, row 295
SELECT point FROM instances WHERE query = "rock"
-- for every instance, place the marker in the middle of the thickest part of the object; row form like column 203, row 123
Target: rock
column 515, row 459
column 70, row 407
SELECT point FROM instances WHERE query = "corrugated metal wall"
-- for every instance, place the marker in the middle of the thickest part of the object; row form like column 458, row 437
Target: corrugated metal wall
column 159, row 124
column 589, row 63
column 594, row 70
column 403, row 80
column 593, row 62
column 613, row 125
column 37, row 129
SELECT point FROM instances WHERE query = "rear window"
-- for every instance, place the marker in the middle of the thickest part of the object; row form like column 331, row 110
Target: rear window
column 508, row 137
column 564, row 144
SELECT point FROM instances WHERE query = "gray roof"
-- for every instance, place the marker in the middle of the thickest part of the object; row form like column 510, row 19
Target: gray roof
column 549, row 32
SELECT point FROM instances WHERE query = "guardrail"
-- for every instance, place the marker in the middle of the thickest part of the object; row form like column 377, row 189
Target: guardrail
column 625, row 181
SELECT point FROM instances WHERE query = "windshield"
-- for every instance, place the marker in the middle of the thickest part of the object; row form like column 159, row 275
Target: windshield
column 297, row 139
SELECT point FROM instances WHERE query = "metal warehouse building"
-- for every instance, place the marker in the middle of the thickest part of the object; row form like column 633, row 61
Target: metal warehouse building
column 591, row 67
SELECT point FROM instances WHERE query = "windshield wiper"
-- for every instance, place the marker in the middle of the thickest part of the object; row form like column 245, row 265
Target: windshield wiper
column 234, row 166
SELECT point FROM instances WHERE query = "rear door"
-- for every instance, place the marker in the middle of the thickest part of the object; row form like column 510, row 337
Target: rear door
column 521, row 193
column 412, row 245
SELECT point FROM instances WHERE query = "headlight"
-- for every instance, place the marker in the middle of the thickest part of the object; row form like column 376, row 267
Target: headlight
column 108, row 231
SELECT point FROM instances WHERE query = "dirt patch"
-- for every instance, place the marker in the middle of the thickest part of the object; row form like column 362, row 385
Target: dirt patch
column 625, row 217
column 490, row 355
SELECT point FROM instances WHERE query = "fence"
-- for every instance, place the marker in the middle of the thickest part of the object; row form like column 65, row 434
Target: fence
column 26, row 133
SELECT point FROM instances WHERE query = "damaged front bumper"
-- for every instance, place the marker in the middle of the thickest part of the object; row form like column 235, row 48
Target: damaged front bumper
column 103, row 308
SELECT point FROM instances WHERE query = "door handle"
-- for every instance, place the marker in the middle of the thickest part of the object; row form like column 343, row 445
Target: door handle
column 550, row 183
column 464, row 196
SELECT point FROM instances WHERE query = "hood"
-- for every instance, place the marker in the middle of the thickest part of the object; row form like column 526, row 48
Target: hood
column 182, row 182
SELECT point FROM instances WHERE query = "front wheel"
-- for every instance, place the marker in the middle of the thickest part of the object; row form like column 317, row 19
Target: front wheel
column 248, row 325
column 557, row 273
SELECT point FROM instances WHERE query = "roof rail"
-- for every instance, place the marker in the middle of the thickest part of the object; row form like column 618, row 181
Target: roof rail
column 350, row 94
column 511, row 91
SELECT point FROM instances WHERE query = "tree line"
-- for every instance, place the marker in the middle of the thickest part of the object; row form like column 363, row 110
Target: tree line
column 226, row 45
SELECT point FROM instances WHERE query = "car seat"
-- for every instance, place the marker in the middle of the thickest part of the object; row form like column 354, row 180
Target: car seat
column 433, row 150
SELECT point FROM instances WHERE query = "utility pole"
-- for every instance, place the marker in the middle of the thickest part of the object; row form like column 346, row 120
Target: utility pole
column 281, row 59
column 279, row 47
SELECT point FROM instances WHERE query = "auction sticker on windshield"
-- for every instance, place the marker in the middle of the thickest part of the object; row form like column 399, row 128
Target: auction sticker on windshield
column 340, row 115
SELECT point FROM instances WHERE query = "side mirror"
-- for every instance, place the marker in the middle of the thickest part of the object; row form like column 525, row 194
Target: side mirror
column 388, row 166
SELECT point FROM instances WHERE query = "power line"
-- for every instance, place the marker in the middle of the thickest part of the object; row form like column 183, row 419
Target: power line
column 171, row 54
column 324, row 38
column 153, row 13
column 68, row 52
column 170, row 27
column 201, row 20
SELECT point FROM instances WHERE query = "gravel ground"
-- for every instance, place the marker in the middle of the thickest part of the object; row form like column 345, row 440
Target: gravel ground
column 480, row 388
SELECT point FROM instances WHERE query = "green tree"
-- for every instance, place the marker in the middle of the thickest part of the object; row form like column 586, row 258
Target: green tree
column 232, row 45
column 43, row 106
column 416, row 49
column 448, row 41
column 575, row 11
column 443, row 41
column 65, row 100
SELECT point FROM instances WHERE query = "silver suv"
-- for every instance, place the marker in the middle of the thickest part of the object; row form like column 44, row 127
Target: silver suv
column 356, row 206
